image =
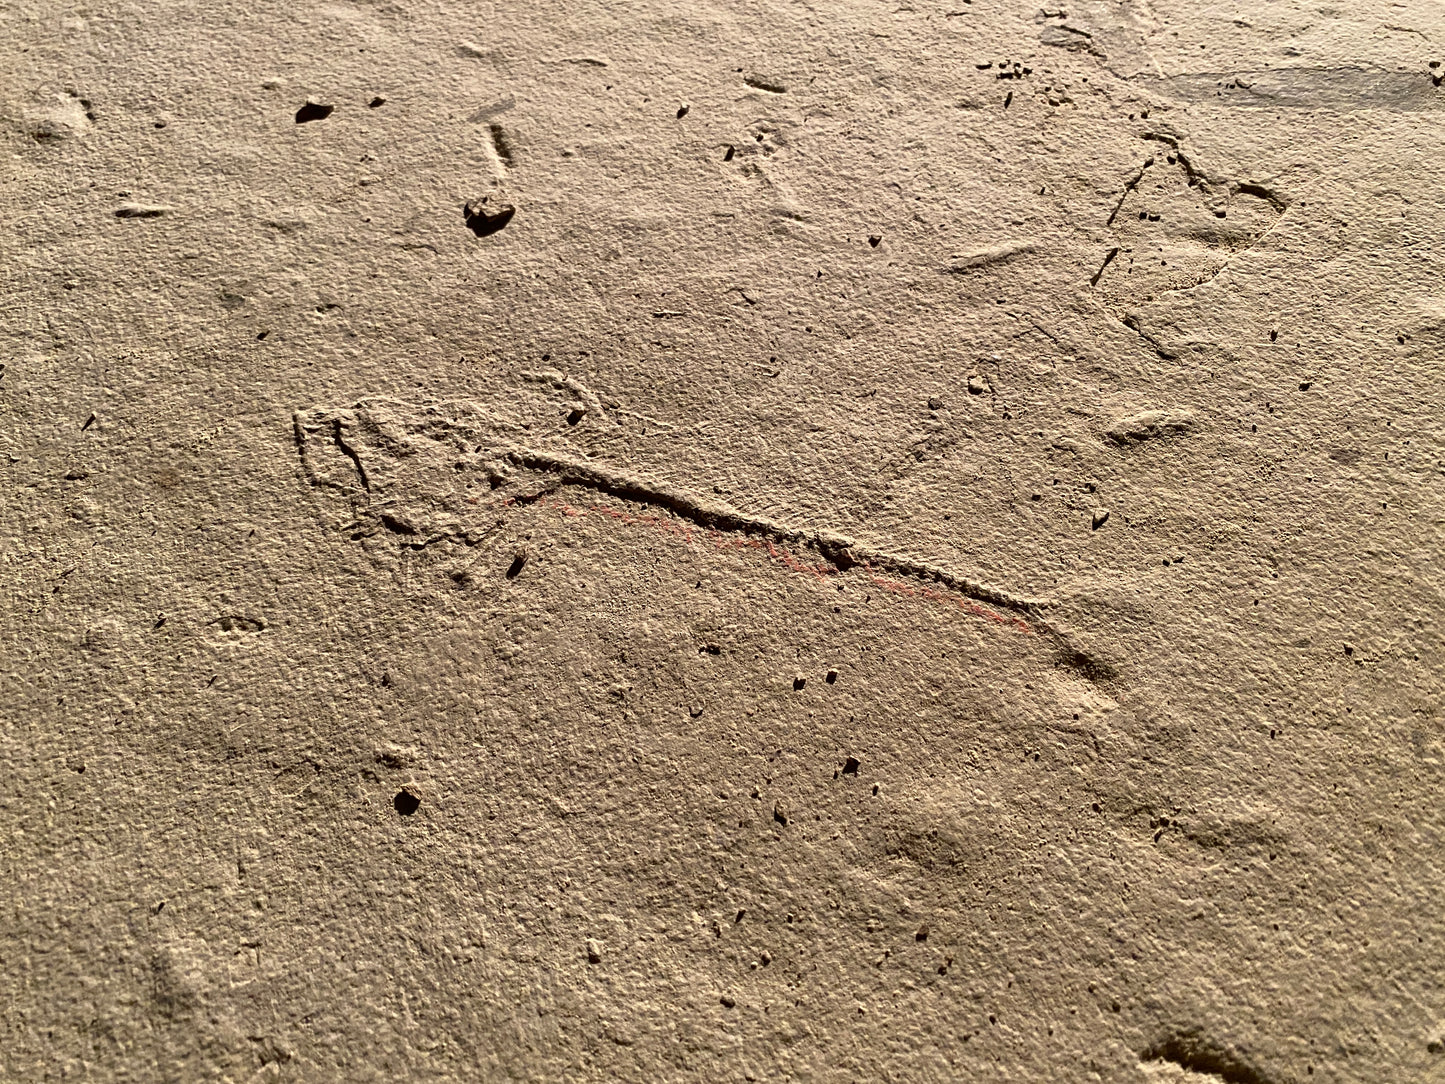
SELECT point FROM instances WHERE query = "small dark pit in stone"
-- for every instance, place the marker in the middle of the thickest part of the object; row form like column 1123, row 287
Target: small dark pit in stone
column 406, row 803
column 851, row 766
column 485, row 221
column 313, row 111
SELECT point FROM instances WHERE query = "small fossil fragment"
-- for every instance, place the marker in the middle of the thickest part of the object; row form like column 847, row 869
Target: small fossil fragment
column 1133, row 428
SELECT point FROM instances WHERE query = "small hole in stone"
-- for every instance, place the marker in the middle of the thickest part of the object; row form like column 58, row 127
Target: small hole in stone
column 313, row 111
column 406, row 803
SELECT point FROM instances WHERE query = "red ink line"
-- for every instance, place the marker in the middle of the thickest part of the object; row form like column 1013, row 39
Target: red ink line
column 932, row 594
column 666, row 526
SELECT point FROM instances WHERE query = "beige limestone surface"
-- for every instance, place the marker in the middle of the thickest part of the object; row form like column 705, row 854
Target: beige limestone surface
column 852, row 540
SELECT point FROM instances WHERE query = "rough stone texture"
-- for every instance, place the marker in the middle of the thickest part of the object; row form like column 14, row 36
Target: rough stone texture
column 722, row 541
